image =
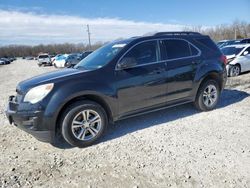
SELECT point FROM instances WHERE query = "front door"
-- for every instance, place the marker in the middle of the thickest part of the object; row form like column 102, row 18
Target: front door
column 144, row 84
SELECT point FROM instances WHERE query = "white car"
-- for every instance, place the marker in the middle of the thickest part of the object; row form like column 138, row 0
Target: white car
column 2, row 62
column 55, row 57
column 238, row 57
column 44, row 59
column 60, row 61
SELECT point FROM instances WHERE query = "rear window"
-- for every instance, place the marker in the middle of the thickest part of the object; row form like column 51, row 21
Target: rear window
column 43, row 56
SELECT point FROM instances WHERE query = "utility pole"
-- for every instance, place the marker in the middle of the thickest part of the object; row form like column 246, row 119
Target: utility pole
column 235, row 34
column 89, row 36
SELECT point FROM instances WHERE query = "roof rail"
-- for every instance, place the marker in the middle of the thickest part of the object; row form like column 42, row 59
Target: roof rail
column 177, row 33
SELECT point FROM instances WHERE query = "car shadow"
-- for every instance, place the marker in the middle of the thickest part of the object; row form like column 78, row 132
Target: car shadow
column 127, row 126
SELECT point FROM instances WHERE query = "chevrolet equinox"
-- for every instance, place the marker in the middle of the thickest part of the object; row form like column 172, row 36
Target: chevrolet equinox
column 121, row 79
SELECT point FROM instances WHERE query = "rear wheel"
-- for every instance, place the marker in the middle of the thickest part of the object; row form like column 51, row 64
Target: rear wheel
column 235, row 70
column 83, row 123
column 207, row 96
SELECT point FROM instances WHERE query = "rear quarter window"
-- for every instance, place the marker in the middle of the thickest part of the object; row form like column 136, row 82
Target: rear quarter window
column 207, row 46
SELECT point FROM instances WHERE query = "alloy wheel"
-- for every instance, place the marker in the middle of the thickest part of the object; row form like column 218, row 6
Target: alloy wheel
column 210, row 95
column 86, row 125
column 235, row 71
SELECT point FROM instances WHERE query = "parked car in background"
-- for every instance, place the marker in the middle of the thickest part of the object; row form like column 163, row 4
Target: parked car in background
column 12, row 59
column 44, row 59
column 5, row 60
column 222, row 43
column 245, row 41
column 55, row 57
column 29, row 58
column 121, row 79
column 238, row 57
column 227, row 42
column 86, row 53
column 72, row 60
column 60, row 61
column 2, row 62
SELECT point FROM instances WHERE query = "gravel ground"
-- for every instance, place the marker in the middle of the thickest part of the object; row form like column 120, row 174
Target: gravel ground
column 177, row 147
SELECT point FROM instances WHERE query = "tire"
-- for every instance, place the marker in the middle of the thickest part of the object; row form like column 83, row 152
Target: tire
column 208, row 91
column 234, row 70
column 83, row 134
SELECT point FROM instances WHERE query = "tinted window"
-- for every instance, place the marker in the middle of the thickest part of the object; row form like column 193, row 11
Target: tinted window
column 103, row 55
column 176, row 49
column 207, row 47
column 143, row 53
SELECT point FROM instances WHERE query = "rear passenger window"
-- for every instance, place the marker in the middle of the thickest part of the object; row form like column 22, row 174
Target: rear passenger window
column 143, row 53
column 176, row 49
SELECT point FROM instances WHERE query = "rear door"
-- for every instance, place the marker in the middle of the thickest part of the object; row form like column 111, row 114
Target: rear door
column 181, row 59
column 143, row 85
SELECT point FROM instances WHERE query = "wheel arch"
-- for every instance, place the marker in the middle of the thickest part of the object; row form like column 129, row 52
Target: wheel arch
column 92, row 97
column 210, row 76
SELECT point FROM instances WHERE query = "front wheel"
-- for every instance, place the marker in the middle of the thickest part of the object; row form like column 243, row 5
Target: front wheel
column 234, row 70
column 207, row 96
column 83, row 123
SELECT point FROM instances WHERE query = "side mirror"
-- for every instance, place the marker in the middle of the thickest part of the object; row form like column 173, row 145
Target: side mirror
column 126, row 63
column 245, row 53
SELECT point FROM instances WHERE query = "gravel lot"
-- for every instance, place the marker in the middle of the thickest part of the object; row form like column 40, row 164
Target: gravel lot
column 177, row 147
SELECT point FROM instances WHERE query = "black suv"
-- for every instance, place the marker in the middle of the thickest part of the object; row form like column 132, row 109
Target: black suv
column 121, row 79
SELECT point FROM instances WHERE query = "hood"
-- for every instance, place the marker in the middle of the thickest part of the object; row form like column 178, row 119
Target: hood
column 230, row 56
column 51, row 77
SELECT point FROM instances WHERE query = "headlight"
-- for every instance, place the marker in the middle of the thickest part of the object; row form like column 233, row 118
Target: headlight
column 36, row 94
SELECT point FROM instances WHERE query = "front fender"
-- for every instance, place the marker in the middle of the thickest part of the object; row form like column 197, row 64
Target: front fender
column 66, row 92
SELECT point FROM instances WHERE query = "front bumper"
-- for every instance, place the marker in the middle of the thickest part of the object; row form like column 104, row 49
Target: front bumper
column 228, row 67
column 28, row 120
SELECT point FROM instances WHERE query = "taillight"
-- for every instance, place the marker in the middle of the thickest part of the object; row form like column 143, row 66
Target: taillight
column 223, row 59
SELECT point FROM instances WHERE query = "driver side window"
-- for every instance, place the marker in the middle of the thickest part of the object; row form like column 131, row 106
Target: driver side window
column 143, row 53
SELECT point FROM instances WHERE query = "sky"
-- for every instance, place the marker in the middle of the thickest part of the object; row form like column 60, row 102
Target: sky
column 58, row 21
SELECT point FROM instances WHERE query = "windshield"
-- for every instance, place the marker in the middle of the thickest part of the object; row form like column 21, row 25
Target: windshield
column 231, row 50
column 102, row 56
